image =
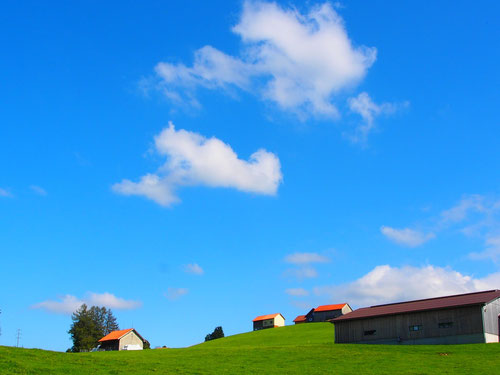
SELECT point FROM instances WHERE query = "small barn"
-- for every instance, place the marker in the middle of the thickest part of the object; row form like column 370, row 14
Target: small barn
column 457, row 319
column 125, row 339
column 300, row 319
column 324, row 313
column 268, row 321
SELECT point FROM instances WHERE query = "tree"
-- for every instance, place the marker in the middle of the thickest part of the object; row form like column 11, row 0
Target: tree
column 89, row 325
column 216, row 334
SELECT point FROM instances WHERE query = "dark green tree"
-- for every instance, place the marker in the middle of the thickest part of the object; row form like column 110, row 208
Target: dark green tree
column 89, row 325
column 216, row 334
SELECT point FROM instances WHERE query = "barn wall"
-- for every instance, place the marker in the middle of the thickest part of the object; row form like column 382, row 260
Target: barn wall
column 323, row 316
column 131, row 339
column 490, row 318
column 467, row 326
column 346, row 309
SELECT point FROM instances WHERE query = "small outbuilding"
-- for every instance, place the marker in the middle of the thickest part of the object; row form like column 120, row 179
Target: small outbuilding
column 125, row 339
column 300, row 319
column 325, row 313
column 457, row 319
column 268, row 321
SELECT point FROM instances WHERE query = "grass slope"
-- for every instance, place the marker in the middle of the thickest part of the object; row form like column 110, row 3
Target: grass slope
column 302, row 349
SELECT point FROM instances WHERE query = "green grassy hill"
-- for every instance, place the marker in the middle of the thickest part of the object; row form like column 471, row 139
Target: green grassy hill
column 302, row 349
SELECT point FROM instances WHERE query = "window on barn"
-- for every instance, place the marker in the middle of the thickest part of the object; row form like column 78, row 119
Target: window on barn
column 370, row 332
column 445, row 325
column 417, row 327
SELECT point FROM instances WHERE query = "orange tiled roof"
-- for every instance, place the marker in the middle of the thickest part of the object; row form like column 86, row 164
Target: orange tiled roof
column 265, row 317
column 300, row 318
column 115, row 335
column 330, row 307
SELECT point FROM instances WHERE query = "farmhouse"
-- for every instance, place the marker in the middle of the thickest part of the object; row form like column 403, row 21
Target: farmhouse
column 457, row 319
column 125, row 339
column 325, row 313
column 268, row 321
column 300, row 319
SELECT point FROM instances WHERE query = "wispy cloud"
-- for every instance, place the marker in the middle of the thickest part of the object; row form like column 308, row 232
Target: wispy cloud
column 385, row 284
column 5, row 193
column 364, row 106
column 305, row 272
column 299, row 62
column 406, row 236
column 68, row 304
column 195, row 160
column 175, row 293
column 306, row 258
column 297, row 292
column 38, row 190
column 194, row 269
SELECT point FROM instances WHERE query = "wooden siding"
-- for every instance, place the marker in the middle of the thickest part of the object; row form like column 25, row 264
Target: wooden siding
column 465, row 321
column 323, row 316
column 130, row 339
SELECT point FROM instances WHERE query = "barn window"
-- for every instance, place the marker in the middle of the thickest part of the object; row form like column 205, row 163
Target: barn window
column 417, row 327
column 370, row 332
column 445, row 325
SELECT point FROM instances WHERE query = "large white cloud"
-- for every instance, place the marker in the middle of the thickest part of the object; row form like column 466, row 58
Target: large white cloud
column 69, row 303
column 193, row 160
column 297, row 61
column 406, row 236
column 385, row 284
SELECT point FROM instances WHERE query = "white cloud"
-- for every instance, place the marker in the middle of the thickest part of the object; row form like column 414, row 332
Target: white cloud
column 175, row 293
column 368, row 110
column 193, row 160
column 305, row 258
column 406, row 236
column 386, row 284
column 297, row 61
column 194, row 268
column 297, row 292
column 492, row 250
column 301, row 273
column 38, row 190
column 461, row 210
column 69, row 304
column 5, row 193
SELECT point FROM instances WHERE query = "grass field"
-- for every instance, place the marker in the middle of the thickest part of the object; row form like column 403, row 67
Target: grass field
column 301, row 349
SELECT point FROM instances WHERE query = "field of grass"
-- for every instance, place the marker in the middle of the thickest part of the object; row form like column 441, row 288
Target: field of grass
column 302, row 349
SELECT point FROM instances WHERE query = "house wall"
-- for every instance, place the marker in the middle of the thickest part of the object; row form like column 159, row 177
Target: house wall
column 279, row 321
column 467, row 327
column 490, row 320
column 346, row 309
column 130, row 339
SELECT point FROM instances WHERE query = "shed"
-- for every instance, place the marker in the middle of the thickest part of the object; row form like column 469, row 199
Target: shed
column 125, row 339
column 268, row 321
column 456, row 319
column 300, row 319
column 324, row 313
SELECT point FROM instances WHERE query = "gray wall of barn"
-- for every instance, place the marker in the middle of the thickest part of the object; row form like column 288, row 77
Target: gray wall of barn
column 490, row 316
column 323, row 316
column 467, row 327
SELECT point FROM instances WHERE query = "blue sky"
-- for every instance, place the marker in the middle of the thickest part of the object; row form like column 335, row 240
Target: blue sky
column 198, row 165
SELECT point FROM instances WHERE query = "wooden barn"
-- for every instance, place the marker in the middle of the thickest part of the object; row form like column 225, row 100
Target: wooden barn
column 458, row 319
column 125, row 339
column 268, row 321
column 300, row 319
column 324, row 313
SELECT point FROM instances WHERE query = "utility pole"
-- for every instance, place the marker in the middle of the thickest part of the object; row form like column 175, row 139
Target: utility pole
column 0, row 325
column 18, row 337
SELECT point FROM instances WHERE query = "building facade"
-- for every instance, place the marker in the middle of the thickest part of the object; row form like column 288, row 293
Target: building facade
column 325, row 313
column 122, row 340
column 268, row 321
column 458, row 319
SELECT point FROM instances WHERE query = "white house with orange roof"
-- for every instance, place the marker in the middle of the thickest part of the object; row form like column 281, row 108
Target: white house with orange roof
column 268, row 321
column 125, row 339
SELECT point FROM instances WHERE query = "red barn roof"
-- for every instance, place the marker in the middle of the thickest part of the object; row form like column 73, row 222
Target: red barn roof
column 330, row 307
column 300, row 318
column 468, row 299
column 265, row 317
